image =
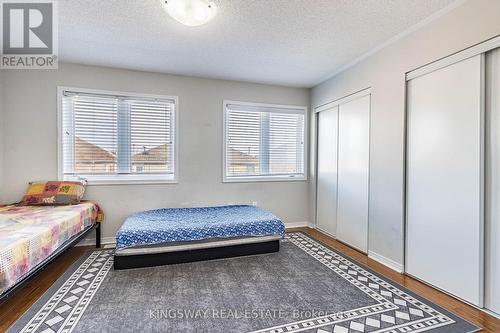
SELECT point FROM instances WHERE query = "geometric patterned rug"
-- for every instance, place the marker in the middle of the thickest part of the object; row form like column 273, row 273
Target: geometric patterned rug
column 306, row 287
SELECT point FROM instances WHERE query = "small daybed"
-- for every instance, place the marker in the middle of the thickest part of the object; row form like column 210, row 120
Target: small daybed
column 31, row 236
column 177, row 235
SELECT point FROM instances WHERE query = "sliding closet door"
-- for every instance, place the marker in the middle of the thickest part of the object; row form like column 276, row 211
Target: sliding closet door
column 492, row 183
column 326, row 209
column 445, row 179
column 353, row 169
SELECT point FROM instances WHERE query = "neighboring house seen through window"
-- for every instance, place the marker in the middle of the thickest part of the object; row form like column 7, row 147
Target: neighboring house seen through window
column 111, row 137
column 263, row 142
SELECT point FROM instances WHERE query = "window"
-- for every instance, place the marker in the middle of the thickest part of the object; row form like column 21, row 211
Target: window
column 111, row 137
column 263, row 142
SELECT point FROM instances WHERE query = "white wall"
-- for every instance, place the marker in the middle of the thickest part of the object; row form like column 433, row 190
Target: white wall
column 30, row 116
column 384, row 71
column 1, row 136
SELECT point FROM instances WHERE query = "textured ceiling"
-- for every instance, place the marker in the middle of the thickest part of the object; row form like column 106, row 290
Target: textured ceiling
column 287, row 42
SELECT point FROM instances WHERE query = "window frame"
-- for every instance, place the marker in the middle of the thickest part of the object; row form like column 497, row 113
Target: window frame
column 117, row 179
column 263, row 178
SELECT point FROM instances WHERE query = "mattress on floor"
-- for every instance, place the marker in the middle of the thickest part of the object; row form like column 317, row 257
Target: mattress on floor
column 193, row 245
column 30, row 234
column 192, row 226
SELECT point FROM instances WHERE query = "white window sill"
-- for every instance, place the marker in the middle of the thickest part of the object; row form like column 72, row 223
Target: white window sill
column 125, row 179
column 253, row 179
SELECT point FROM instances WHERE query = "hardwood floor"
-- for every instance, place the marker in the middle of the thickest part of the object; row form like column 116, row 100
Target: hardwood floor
column 12, row 308
column 488, row 323
column 18, row 303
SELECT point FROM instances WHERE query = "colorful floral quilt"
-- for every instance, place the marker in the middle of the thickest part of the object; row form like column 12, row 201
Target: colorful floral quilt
column 192, row 224
column 30, row 234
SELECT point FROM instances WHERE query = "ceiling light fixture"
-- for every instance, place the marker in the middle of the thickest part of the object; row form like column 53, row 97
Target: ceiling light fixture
column 190, row 12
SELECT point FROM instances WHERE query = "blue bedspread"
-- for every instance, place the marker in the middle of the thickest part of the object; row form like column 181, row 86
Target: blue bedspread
column 191, row 224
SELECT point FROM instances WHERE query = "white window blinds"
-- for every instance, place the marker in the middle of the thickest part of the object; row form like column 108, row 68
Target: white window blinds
column 110, row 136
column 263, row 141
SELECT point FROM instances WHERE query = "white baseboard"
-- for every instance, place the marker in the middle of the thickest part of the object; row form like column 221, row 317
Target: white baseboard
column 386, row 261
column 491, row 313
column 298, row 224
column 324, row 232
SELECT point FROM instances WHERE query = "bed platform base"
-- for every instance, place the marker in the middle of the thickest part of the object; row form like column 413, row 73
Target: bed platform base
column 69, row 243
column 178, row 257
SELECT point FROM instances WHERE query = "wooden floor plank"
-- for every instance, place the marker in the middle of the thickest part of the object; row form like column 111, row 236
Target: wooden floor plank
column 12, row 308
column 487, row 322
column 18, row 303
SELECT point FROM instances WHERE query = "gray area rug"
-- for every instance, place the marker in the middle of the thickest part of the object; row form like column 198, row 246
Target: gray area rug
column 306, row 287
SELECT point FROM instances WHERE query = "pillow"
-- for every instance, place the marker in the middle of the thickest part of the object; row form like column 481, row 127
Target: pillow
column 53, row 193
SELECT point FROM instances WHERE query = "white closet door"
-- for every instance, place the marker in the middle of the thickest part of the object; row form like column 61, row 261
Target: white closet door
column 492, row 182
column 326, row 209
column 353, row 169
column 445, row 179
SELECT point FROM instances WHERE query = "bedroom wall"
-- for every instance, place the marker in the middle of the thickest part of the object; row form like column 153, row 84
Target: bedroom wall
column 1, row 136
column 31, row 141
column 470, row 23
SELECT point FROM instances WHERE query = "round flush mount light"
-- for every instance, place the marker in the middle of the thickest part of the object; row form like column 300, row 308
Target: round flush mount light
column 190, row 12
